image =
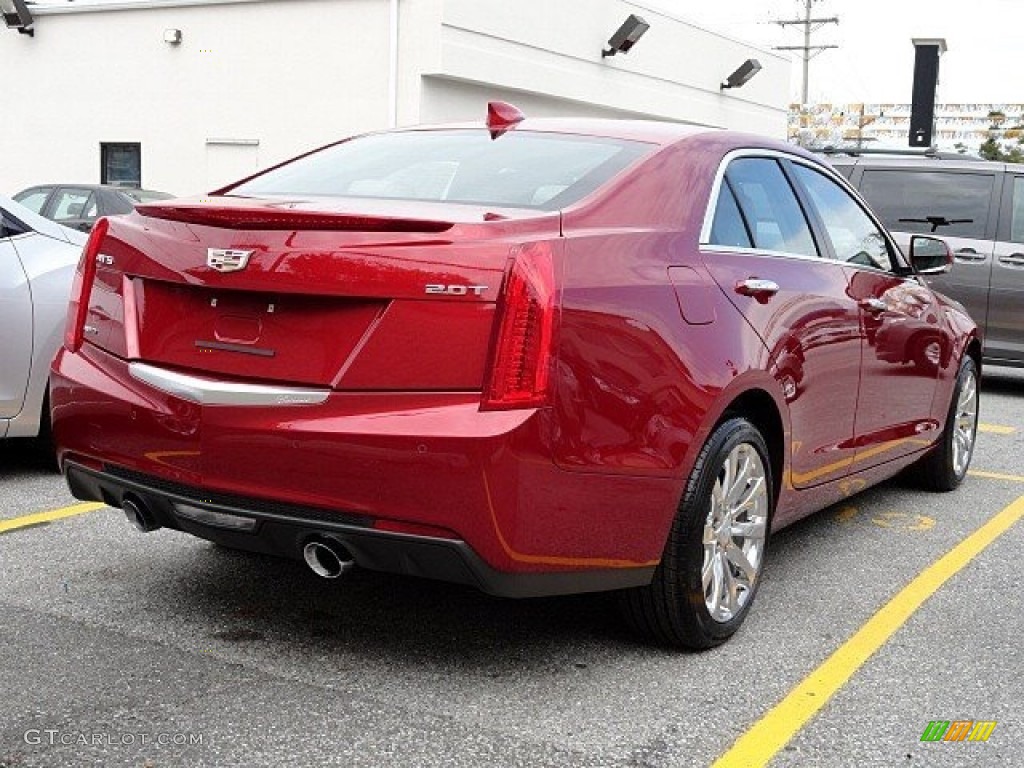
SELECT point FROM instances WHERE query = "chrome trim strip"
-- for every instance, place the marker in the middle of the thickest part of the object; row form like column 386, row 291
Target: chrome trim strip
column 211, row 392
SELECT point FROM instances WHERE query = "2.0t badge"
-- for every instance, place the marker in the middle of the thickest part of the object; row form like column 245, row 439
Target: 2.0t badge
column 226, row 260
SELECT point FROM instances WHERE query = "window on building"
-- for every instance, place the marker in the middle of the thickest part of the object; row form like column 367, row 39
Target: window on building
column 121, row 164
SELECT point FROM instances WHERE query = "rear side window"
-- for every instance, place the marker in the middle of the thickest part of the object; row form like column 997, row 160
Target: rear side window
column 952, row 204
column 33, row 199
column 728, row 227
column 521, row 169
column 770, row 209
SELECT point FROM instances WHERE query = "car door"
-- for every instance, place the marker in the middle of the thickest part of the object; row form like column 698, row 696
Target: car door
column 759, row 248
column 1004, row 339
column 70, row 206
column 904, row 342
column 954, row 204
column 15, row 319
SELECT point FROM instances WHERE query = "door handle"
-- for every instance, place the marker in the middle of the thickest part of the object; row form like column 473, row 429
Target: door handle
column 1013, row 260
column 968, row 254
column 759, row 289
column 873, row 305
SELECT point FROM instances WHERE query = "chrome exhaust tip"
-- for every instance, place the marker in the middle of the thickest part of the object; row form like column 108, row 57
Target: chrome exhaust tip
column 327, row 559
column 138, row 514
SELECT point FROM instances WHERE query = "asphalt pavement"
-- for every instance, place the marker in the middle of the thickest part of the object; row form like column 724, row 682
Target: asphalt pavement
column 123, row 649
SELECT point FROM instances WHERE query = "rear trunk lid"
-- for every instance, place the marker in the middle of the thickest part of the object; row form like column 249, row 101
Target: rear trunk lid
column 338, row 293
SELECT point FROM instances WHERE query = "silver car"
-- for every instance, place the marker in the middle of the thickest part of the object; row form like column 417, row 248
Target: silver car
column 37, row 265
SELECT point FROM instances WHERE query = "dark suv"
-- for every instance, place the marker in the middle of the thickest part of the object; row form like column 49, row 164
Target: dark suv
column 977, row 207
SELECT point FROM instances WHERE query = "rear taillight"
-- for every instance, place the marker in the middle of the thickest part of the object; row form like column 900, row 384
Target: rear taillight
column 521, row 359
column 81, row 289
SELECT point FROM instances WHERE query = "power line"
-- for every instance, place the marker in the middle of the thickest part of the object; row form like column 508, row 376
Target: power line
column 810, row 25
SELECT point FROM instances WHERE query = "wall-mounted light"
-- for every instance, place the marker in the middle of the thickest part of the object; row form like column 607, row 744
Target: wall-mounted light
column 743, row 74
column 625, row 37
column 172, row 36
column 17, row 16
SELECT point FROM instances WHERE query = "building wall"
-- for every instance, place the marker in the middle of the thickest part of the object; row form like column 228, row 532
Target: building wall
column 554, row 49
column 254, row 82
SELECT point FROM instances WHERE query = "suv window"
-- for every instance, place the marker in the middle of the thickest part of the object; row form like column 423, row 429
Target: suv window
column 856, row 239
column 952, row 204
column 769, row 206
column 1017, row 212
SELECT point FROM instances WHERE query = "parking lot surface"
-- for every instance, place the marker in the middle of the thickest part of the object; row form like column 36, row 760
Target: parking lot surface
column 118, row 648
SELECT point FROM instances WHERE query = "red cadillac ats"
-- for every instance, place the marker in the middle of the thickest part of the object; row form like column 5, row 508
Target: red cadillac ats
column 533, row 356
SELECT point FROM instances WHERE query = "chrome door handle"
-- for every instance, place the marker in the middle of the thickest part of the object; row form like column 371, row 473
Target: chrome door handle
column 968, row 254
column 757, row 288
column 873, row 305
column 1013, row 260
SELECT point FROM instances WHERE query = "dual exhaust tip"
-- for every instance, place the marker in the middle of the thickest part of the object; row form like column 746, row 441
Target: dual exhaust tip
column 139, row 514
column 325, row 557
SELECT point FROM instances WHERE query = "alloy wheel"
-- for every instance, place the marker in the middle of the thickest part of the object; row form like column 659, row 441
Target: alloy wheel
column 734, row 532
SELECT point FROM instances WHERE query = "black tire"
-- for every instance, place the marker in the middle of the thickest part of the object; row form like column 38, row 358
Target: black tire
column 43, row 449
column 938, row 470
column 673, row 609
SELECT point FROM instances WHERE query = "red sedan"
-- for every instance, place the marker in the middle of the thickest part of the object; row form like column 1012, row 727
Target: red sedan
column 534, row 356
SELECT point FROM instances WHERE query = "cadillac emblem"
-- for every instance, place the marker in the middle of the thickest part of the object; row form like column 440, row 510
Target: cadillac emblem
column 226, row 260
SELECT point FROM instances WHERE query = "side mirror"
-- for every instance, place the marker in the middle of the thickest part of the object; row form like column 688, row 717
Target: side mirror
column 930, row 255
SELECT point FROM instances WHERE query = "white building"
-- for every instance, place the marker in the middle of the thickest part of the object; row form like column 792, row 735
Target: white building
column 187, row 95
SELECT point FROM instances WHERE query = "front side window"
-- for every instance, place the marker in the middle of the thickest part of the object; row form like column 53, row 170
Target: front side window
column 856, row 239
column 521, row 169
column 70, row 204
column 927, row 202
column 769, row 207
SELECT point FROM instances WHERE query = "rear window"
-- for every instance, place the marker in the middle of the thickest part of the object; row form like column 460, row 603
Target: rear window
column 144, row 195
column 520, row 169
column 952, row 204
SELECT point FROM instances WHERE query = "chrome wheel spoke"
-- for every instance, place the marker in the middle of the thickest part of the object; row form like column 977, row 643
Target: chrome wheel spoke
column 717, row 578
column 731, row 595
column 748, row 529
column 747, row 570
column 734, row 532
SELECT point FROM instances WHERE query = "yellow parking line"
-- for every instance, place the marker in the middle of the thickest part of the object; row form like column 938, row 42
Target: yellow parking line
column 773, row 731
column 996, row 429
column 996, row 476
column 46, row 517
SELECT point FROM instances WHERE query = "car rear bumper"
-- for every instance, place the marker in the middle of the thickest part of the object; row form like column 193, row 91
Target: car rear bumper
column 416, row 483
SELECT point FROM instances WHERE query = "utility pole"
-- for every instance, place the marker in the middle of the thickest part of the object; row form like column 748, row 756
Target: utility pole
column 809, row 51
